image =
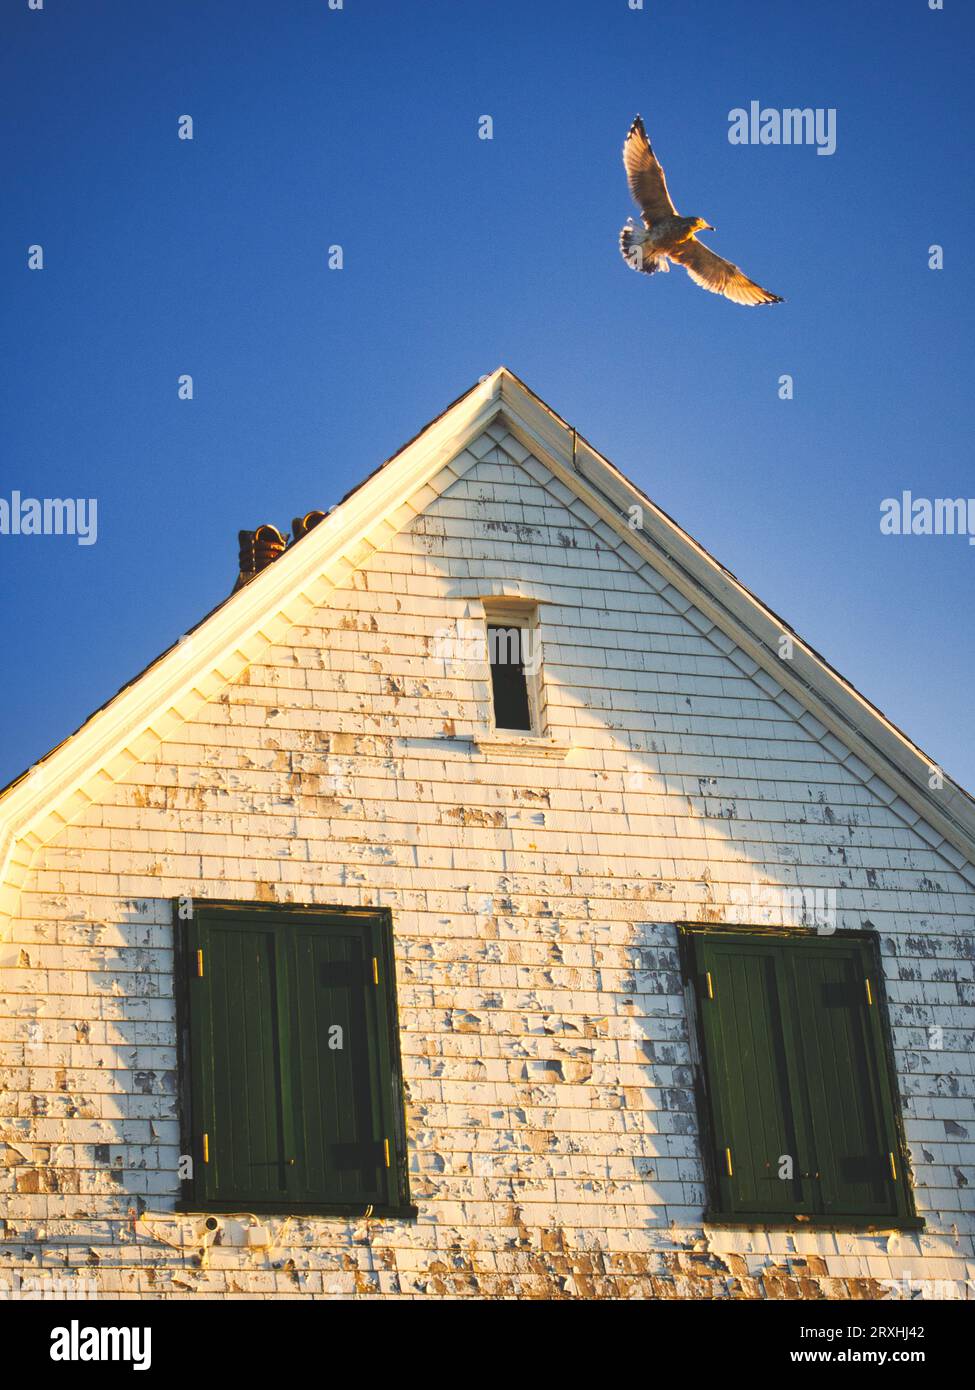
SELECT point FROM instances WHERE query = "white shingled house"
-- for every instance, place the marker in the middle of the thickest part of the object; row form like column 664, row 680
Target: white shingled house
column 491, row 898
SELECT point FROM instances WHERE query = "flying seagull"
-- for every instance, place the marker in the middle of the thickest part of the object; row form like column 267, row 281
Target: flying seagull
column 665, row 234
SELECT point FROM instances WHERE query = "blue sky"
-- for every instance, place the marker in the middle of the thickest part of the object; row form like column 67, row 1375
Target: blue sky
column 358, row 127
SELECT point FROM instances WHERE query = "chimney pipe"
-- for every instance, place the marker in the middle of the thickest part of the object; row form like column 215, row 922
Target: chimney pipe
column 258, row 549
column 303, row 524
column 261, row 548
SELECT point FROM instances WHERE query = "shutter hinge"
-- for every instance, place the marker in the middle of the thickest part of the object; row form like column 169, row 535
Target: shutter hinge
column 893, row 1167
column 727, row 1163
column 386, row 1151
column 206, row 1148
column 375, row 973
column 199, row 964
column 869, row 993
column 710, row 984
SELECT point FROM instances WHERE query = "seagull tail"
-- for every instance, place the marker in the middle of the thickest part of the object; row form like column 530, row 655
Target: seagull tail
column 634, row 251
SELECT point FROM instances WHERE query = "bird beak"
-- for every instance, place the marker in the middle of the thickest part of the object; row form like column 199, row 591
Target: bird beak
column 709, row 228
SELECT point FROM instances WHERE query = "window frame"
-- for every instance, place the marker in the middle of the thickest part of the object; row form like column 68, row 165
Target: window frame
column 523, row 615
column 186, row 934
column 905, row 1217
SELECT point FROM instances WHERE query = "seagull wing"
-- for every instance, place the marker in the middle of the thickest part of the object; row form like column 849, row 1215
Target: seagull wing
column 645, row 176
column 719, row 276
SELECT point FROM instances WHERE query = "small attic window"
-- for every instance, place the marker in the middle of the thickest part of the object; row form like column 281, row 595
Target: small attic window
column 514, row 660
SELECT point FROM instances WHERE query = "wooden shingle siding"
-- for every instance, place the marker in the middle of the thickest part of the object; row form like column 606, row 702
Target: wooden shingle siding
column 553, row 1133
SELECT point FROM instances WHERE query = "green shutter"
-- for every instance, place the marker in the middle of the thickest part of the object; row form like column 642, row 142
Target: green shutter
column 240, row 1145
column 278, row 1117
column 841, row 1076
column 795, row 1067
column 340, row 1121
column 756, row 1121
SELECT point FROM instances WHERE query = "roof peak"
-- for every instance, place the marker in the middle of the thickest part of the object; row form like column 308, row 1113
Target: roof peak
column 223, row 643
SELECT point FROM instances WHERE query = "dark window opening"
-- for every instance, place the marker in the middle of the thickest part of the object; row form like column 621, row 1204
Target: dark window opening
column 798, row 1094
column 291, row 1097
column 509, row 682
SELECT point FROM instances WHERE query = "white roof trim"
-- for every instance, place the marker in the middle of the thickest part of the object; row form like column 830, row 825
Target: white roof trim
column 142, row 714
